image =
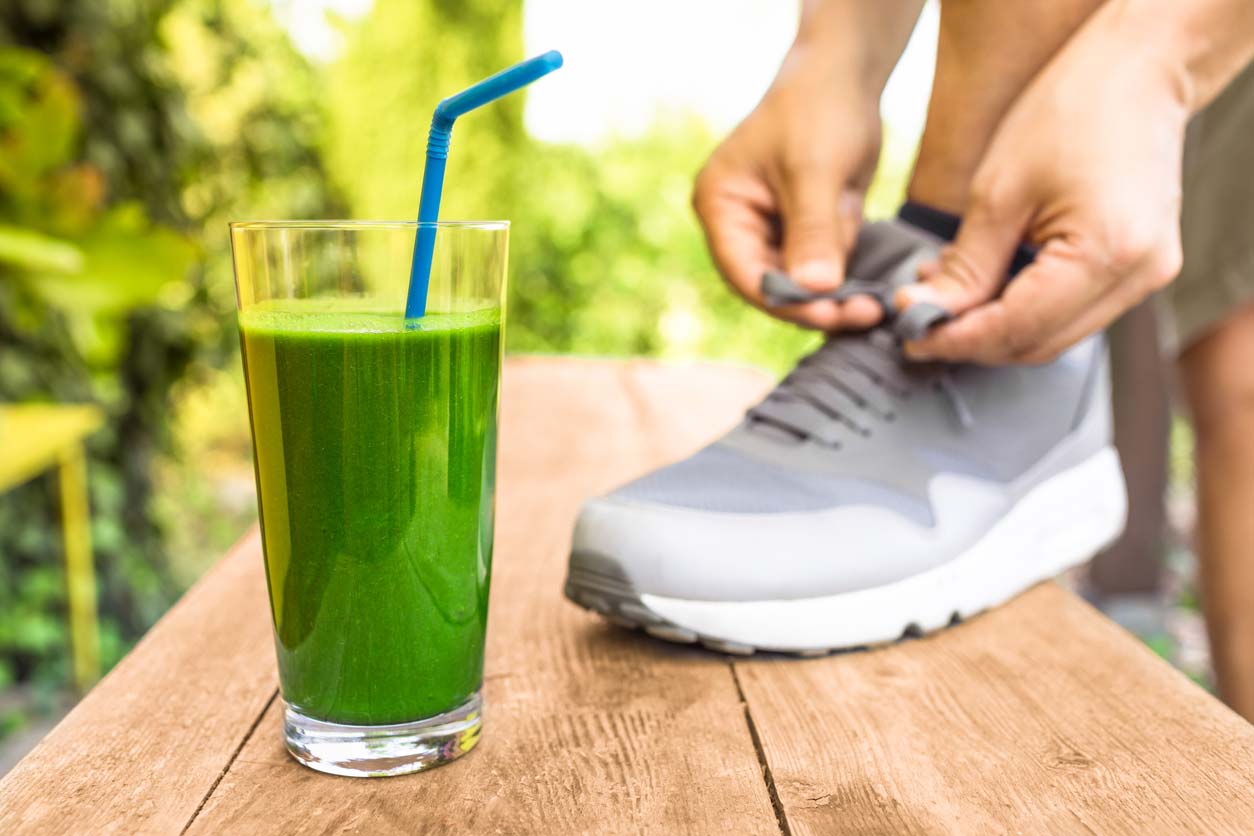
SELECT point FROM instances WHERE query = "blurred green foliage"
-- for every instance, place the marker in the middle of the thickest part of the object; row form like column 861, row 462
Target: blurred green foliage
column 125, row 143
column 131, row 131
column 77, row 276
column 605, row 255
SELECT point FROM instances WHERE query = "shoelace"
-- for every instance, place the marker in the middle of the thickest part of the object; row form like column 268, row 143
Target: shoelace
column 849, row 385
column 909, row 324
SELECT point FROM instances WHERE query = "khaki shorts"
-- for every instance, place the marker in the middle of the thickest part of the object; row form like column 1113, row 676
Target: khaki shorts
column 1217, row 224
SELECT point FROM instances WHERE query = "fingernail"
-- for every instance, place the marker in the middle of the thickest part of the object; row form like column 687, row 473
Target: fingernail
column 817, row 274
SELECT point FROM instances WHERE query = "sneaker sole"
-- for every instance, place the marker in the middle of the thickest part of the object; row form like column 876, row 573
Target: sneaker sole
column 1060, row 523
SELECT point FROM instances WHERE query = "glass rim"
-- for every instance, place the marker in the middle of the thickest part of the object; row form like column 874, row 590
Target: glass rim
column 367, row 224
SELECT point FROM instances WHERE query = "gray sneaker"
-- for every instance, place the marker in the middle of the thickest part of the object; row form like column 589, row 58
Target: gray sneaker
column 865, row 498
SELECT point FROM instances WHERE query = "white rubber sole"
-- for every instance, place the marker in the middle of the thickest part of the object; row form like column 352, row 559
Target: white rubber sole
column 1060, row 523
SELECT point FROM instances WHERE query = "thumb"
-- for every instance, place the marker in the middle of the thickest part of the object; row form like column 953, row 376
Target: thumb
column 814, row 243
column 972, row 269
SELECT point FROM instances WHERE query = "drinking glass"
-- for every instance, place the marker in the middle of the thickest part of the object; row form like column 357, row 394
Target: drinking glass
column 374, row 445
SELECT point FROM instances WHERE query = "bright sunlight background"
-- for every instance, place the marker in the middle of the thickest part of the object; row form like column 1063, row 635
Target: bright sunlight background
column 631, row 62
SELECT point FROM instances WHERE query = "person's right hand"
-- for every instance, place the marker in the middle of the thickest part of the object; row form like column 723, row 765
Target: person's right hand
column 785, row 189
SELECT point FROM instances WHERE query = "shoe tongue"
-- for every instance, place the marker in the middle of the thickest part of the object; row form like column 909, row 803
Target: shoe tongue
column 888, row 254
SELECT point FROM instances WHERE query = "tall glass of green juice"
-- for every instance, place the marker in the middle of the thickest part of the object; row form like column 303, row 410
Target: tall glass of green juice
column 374, row 443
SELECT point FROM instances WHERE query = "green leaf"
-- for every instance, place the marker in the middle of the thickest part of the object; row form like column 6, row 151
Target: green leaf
column 41, row 107
column 33, row 251
column 38, row 632
column 12, row 721
column 128, row 263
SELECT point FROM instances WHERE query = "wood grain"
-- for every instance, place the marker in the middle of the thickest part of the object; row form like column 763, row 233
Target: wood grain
column 1038, row 717
column 141, row 751
column 587, row 729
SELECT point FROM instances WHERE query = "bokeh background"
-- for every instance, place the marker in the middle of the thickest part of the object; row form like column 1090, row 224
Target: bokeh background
column 131, row 131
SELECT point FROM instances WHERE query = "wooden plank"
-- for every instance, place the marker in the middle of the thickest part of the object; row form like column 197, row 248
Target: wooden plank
column 140, row 752
column 587, row 729
column 1040, row 716
column 586, row 726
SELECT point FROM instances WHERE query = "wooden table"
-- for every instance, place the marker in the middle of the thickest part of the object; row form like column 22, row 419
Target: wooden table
column 38, row 437
column 1040, row 716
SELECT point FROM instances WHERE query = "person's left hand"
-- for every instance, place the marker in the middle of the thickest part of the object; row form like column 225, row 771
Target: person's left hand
column 1087, row 166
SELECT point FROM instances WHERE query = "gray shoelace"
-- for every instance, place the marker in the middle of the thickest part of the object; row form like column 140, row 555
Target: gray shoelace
column 911, row 324
column 849, row 385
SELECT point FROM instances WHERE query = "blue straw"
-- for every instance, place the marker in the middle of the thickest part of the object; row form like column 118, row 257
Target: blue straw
column 477, row 95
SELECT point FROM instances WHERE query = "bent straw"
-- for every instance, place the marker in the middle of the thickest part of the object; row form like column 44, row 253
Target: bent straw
column 475, row 96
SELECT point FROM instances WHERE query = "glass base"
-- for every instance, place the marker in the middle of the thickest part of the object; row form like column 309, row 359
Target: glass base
column 382, row 751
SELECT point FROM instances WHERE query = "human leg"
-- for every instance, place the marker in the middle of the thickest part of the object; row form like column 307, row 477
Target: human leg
column 1209, row 319
column 987, row 52
column 1219, row 382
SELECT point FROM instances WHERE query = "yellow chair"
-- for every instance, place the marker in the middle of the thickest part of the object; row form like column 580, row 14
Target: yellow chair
column 34, row 438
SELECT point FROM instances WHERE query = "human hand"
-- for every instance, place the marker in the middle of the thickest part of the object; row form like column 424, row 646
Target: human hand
column 1087, row 166
column 784, row 190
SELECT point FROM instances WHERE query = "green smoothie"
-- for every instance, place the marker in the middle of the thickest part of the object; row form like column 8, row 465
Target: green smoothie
column 375, row 451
